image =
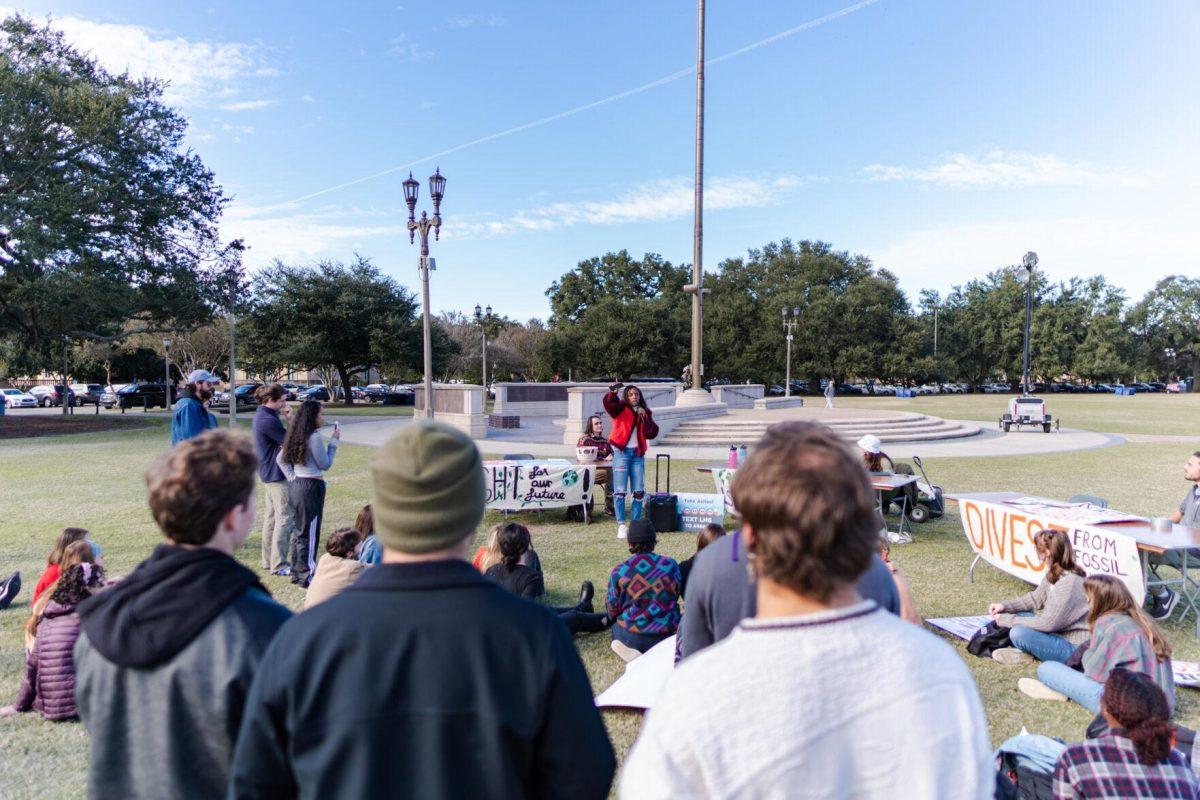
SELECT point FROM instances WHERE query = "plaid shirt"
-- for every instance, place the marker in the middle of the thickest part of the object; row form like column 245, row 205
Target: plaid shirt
column 1107, row 768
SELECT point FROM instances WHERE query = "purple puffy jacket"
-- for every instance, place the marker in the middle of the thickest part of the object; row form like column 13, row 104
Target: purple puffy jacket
column 49, row 684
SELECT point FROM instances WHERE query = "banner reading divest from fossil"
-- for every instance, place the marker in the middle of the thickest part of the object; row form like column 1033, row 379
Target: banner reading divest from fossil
column 520, row 485
column 1003, row 536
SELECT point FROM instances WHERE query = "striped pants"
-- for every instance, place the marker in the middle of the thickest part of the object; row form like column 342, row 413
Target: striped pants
column 308, row 499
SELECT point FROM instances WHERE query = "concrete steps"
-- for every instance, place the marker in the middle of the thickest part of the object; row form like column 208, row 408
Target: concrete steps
column 893, row 428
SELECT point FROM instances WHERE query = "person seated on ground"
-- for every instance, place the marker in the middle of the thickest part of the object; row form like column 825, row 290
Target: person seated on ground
column 423, row 679
column 80, row 552
column 10, row 587
column 822, row 692
column 1136, row 758
column 166, row 656
column 643, row 595
column 336, row 569
column 525, row 581
column 54, row 561
column 369, row 552
column 49, row 683
column 489, row 555
column 711, row 532
column 1162, row 598
column 722, row 592
column 1122, row 636
column 593, row 436
column 874, row 459
column 1060, row 624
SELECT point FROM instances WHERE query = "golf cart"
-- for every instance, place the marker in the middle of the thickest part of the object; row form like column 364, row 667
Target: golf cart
column 1027, row 411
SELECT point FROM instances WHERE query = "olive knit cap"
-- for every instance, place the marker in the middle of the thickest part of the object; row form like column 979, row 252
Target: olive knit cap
column 427, row 488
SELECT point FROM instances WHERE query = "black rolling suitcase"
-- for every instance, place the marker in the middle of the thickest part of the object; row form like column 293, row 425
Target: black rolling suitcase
column 662, row 507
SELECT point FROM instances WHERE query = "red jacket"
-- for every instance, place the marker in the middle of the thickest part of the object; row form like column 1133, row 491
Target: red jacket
column 626, row 421
column 48, row 577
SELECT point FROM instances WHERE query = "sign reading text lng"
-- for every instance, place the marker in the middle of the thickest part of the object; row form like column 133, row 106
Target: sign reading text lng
column 1003, row 536
column 521, row 485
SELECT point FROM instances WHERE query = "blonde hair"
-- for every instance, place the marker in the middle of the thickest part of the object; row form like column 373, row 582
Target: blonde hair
column 76, row 552
column 492, row 556
column 1108, row 595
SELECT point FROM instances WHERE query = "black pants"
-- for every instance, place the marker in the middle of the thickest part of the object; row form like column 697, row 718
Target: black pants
column 308, row 499
column 582, row 621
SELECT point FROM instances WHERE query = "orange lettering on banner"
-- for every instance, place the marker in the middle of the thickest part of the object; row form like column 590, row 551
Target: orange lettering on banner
column 996, row 536
column 1013, row 520
column 974, row 526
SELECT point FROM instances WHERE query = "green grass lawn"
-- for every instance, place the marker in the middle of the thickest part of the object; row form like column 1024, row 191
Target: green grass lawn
column 95, row 481
column 1169, row 414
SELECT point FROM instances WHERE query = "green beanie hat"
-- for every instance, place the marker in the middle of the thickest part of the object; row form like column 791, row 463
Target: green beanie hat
column 428, row 488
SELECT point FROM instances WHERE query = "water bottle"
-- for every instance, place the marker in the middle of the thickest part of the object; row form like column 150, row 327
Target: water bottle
column 741, row 454
column 732, row 461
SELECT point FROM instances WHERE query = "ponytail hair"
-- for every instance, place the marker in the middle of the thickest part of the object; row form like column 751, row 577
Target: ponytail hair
column 514, row 541
column 1057, row 553
column 1140, row 707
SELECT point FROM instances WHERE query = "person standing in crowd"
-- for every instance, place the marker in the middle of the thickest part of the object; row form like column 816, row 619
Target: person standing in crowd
column 1122, row 637
column 1061, row 620
column 643, row 595
column 304, row 457
column 633, row 425
column 337, row 569
column 1136, row 758
column 376, row 692
column 278, row 516
column 49, row 683
column 192, row 417
column 1163, row 599
column 593, row 436
column 166, row 655
column 794, row 697
column 830, row 392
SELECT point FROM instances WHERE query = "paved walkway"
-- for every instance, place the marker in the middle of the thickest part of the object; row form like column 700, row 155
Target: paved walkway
column 541, row 437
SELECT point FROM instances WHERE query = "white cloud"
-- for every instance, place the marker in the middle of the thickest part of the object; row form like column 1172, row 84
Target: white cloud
column 1131, row 252
column 308, row 98
column 653, row 202
column 281, row 231
column 198, row 72
column 407, row 49
column 475, row 21
column 249, row 105
column 1005, row 170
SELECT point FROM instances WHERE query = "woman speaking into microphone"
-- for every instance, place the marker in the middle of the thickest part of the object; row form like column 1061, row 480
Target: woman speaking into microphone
column 633, row 424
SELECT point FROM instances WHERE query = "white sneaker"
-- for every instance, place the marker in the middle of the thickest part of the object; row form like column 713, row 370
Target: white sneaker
column 622, row 531
column 623, row 650
column 1036, row 689
column 1011, row 656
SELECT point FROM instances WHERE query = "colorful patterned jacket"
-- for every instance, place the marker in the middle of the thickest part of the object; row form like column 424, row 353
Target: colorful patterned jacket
column 643, row 594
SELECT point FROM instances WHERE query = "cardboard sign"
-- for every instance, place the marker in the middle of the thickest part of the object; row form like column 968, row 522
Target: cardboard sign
column 1187, row 673
column 697, row 510
column 525, row 485
column 962, row 627
column 1003, row 536
column 723, row 479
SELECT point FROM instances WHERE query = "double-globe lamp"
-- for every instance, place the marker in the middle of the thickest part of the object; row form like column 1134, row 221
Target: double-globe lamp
column 437, row 190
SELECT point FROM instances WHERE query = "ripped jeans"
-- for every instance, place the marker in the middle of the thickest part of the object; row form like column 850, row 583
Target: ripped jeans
column 629, row 470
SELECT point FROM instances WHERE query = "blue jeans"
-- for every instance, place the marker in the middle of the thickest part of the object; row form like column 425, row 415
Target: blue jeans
column 1072, row 683
column 1042, row 646
column 629, row 469
column 638, row 641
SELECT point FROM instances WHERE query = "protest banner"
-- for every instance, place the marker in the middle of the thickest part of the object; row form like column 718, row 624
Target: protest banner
column 1003, row 536
column 723, row 478
column 962, row 627
column 695, row 510
column 528, row 485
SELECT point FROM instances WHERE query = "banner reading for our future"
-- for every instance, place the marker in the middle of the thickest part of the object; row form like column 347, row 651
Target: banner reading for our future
column 521, row 485
column 1003, row 536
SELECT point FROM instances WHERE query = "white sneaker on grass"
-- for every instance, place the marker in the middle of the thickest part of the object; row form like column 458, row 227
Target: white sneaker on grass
column 1038, row 690
column 626, row 652
column 622, row 531
column 1011, row 655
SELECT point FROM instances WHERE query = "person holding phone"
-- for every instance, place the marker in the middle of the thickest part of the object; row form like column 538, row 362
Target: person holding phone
column 304, row 458
column 633, row 426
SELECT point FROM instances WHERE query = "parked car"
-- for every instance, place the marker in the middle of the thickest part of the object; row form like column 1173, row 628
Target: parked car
column 1144, row 387
column 314, row 393
column 52, row 395
column 291, row 390
column 108, row 398
column 138, row 395
column 15, row 398
column 87, row 394
column 246, row 398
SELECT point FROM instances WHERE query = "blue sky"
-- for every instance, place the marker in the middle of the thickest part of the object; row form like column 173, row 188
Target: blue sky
column 941, row 138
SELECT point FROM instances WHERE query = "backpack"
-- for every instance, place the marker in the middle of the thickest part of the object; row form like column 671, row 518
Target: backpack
column 988, row 638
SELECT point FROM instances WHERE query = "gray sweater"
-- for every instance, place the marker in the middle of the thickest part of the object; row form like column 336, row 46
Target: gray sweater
column 1062, row 608
column 317, row 459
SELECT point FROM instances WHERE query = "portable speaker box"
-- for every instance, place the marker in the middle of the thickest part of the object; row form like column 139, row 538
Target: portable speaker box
column 662, row 508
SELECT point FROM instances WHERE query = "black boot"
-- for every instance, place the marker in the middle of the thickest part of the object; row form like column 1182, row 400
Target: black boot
column 586, row 592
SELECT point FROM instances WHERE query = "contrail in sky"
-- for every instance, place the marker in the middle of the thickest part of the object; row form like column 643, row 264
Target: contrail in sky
column 645, row 87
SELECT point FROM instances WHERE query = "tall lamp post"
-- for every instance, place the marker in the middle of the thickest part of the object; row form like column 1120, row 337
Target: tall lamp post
column 1030, row 262
column 789, row 324
column 437, row 190
column 167, row 375
column 482, row 318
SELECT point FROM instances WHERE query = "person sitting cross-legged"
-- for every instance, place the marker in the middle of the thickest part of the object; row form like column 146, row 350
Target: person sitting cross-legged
column 822, row 694
column 423, row 679
column 643, row 595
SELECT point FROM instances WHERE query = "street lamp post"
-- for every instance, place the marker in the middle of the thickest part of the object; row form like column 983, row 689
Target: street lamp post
column 1030, row 262
column 482, row 318
column 66, row 390
column 789, row 324
column 437, row 190
column 167, row 375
